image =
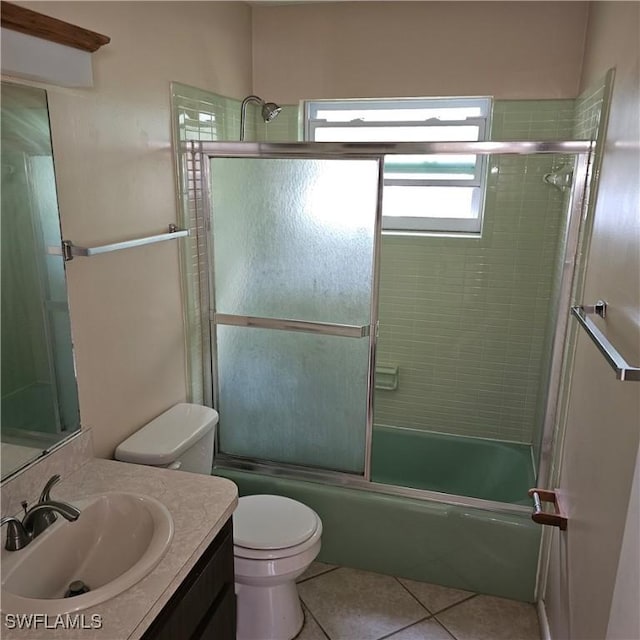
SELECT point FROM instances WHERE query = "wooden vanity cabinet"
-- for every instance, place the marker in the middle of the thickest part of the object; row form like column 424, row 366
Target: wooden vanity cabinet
column 204, row 605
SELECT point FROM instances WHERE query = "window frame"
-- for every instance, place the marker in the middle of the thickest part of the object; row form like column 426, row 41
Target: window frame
column 416, row 224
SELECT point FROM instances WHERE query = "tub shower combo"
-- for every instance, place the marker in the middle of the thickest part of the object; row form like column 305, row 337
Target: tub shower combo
column 289, row 250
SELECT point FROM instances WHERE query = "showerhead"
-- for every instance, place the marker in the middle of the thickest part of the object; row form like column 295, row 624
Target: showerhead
column 270, row 110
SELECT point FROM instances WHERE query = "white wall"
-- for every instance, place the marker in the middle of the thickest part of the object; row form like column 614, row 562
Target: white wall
column 370, row 49
column 602, row 436
column 39, row 60
column 114, row 169
column 624, row 621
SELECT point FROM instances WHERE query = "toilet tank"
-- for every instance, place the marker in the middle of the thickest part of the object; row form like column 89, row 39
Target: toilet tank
column 180, row 438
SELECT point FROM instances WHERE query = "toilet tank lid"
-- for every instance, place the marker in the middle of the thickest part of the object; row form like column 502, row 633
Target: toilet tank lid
column 167, row 437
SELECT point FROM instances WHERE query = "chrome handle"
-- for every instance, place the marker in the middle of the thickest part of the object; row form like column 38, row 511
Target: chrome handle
column 281, row 324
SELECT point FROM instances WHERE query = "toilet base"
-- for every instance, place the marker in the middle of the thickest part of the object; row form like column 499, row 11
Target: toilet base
column 268, row 613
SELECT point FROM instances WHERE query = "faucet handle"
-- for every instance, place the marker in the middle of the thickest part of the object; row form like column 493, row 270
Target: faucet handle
column 17, row 536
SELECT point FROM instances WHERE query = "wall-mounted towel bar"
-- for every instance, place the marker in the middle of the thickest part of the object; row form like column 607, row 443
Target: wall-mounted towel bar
column 624, row 371
column 70, row 250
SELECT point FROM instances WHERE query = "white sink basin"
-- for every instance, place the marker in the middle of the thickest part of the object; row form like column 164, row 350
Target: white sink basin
column 117, row 540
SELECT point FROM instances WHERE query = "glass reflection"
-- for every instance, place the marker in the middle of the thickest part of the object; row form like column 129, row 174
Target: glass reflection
column 39, row 395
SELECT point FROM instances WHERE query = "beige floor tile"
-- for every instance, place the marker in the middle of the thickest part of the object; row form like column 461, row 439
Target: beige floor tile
column 316, row 569
column 351, row 604
column 311, row 629
column 489, row 618
column 425, row 630
column 433, row 596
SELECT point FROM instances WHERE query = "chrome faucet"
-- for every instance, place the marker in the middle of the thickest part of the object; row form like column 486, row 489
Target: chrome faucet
column 37, row 519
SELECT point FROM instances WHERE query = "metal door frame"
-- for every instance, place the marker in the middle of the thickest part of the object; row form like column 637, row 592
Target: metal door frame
column 210, row 318
column 196, row 155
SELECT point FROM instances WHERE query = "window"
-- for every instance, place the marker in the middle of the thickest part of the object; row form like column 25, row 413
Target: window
column 441, row 193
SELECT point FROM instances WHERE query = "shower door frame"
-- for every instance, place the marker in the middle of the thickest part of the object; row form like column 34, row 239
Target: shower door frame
column 197, row 156
column 216, row 150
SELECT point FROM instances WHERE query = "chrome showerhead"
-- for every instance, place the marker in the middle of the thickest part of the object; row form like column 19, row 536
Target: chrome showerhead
column 270, row 110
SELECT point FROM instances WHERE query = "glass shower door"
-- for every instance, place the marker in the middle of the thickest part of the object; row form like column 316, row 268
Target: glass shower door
column 294, row 244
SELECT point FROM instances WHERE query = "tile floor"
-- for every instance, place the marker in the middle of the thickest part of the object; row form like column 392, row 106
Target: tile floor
column 348, row 604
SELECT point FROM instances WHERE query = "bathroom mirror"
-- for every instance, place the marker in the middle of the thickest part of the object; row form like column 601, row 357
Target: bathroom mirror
column 38, row 394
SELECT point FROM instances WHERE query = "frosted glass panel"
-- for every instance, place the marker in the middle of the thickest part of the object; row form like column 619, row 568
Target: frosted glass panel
column 293, row 397
column 294, row 238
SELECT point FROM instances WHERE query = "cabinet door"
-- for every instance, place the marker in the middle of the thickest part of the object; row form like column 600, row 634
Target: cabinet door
column 205, row 598
column 222, row 623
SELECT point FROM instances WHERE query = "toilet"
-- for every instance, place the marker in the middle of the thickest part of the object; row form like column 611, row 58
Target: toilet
column 274, row 538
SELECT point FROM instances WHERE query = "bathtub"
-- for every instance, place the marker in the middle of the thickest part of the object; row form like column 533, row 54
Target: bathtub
column 458, row 465
column 489, row 551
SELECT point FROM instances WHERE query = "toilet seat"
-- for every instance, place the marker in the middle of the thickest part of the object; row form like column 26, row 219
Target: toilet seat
column 269, row 527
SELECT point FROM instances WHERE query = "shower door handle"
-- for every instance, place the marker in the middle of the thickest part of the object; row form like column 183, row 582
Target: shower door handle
column 282, row 324
column 556, row 519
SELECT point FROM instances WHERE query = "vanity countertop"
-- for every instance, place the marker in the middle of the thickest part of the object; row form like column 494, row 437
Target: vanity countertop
column 199, row 505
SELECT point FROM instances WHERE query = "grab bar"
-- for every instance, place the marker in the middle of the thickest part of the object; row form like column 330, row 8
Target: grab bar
column 624, row 371
column 319, row 328
column 70, row 250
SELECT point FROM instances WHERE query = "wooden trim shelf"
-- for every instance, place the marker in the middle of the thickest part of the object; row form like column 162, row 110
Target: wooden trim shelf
column 37, row 24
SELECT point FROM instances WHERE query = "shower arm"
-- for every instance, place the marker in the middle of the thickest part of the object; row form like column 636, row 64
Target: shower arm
column 243, row 111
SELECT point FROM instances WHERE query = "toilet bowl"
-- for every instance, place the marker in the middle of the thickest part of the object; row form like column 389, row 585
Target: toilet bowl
column 275, row 540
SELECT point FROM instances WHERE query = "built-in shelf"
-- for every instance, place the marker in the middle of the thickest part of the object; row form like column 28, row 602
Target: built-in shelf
column 37, row 24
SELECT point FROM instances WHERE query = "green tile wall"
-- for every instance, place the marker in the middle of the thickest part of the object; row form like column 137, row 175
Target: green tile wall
column 532, row 119
column 588, row 110
column 592, row 113
column 468, row 320
column 198, row 115
column 283, row 129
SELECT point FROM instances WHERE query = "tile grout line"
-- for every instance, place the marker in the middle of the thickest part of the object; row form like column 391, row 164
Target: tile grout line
column 455, row 604
column 442, row 624
column 446, row 629
column 414, row 597
column 317, row 575
column 307, row 610
column 390, row 635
